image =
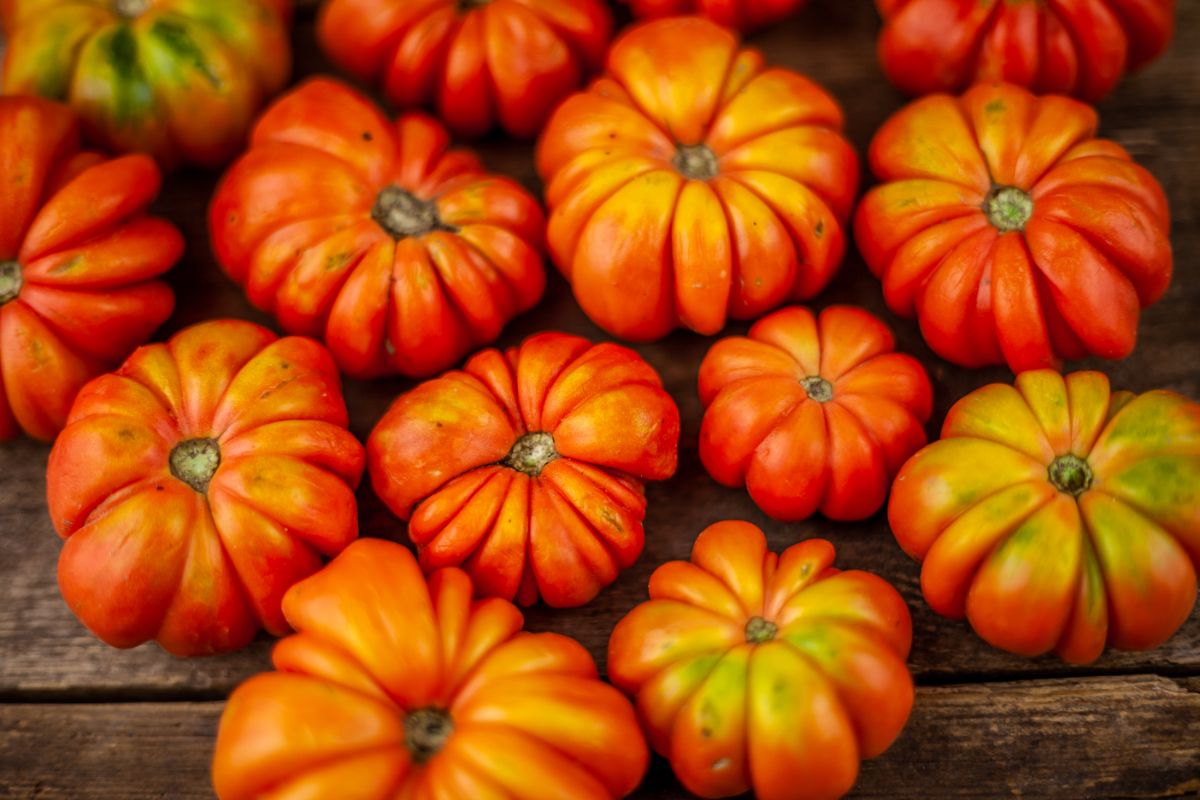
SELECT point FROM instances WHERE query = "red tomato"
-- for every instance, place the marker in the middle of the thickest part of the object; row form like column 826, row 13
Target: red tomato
column 394, row 688
column 527, row 466
column 79, row 262
column 198, row 482
column 481, row 63
column 693, row 184
column 764, row 672
column 402, row 254
column 741, row 14
column 812, row 413
column 1011, row 232
column 1077, row 47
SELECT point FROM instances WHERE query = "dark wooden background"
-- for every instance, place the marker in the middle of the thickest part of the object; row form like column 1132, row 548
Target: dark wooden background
column 79, row 719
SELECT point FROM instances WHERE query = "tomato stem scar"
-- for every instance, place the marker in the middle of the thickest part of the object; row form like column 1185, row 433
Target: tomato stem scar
column 11, row 281
column 131, row 8
column 531, row 453
column 195, row 461
column 818, row 388
column 1070, row 475
column 759, row 630
column 402, row 214
column 1008, row 208
column 426, row 732
column 696, row 162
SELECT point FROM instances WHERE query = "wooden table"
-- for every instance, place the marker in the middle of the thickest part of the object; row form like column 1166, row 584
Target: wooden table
column 80, row 719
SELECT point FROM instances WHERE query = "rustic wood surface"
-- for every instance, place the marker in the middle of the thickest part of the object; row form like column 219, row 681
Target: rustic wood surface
column 79, row 719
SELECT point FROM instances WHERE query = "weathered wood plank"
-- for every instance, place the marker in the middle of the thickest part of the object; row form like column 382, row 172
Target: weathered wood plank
column 1093, row 738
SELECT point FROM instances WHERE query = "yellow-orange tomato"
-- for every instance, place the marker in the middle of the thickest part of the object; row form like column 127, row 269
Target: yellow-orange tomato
column 764, row 672
column 393, row 688
column 692, row 184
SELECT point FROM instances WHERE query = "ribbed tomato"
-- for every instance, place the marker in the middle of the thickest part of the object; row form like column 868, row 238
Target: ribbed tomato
column 692, row 184
column 480, row 63
column 394, row 688
column 198, row 482
column 404, row 255
column 1058, row 515
column 1076, row 47
column 178, row 79
column 812, row 413
column 740, row 14
column 79, row 262
column 1011, row 232
column 764, row 672
column 527, row 466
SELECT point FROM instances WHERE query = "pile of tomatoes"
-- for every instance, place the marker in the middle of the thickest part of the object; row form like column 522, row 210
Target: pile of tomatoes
column 205, row 486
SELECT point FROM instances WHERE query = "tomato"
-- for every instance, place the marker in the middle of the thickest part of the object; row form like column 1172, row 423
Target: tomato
column 812, row 413
column 481, row 63
column 692, row 184
column 1011, row 232
column 402, row 254
column 527, row 466
column 1058, row 515
column 397, row 688
column 178, row 79
column 764, row 672
column 1076, row 47
column 79, row 263
column 741, row 14
column 198, row 482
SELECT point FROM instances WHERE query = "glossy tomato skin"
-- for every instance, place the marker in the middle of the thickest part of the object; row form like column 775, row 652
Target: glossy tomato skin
column 812, row 412
column 1011, row 232
column 744, row 15
column 504, row 63
column 527, row 466
column 401, row 253
column 180, row 80
column 691, row 184
column 1080, row 48
column 393, row 687
column 198, row 482
column 764, row 672
column 79, row 263
column 1058, row 515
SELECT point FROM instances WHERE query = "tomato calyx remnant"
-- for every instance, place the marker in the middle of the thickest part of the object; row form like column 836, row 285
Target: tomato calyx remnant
column 402, row 214
column 426, row 732
column 1070, row 475
column 1008, row 208
column 11, row 281
column 818, row 388
column 531, row 454
column 760, row 631
column 466, row 6
column 130, row 9
column 696, row 162
column 195, row 461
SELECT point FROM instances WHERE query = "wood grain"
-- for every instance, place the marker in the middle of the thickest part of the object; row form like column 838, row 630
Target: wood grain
column 1064, row 738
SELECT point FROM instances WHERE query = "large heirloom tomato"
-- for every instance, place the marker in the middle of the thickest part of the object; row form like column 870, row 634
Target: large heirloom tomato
column 79, row 261
column 393, row 688
column 178, row 79
column 1076, row 47
column 1057, row 515
column 197, row 483
column 1010, row 231
column 692, row 184
column 812, row 413
column 527, row 466
column 741, row 14
column 403, row 254
column 481, row 63
column 764, row 672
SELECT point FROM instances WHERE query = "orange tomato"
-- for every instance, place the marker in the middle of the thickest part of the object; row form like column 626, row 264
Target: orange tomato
column 180, row 80
column 1077, row 47
column 394, row 688
column 741, row 14
column 692, row 184
column 481, row 63
column 79, row 263
column 198, row 482
column 527, row 466
column 767, row 673
column 1058, row 515
column 812, row 412
column 1011, row 232
column 402, row 254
